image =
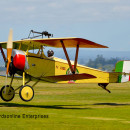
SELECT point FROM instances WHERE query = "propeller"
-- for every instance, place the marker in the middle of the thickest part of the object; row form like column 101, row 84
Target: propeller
column 9, row 50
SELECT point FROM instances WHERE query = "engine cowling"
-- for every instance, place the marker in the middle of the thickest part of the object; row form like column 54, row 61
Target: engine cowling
column 19, row 61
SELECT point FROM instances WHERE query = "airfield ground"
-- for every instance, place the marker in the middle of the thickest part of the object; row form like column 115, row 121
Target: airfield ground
column 69, row 107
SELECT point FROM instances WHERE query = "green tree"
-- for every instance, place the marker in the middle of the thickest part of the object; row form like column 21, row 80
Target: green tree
column 101, row 63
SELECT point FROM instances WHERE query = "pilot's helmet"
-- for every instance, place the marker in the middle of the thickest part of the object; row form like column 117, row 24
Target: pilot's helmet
column 50, row 53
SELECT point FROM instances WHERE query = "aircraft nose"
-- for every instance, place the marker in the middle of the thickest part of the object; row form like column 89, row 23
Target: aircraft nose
column 19, row 60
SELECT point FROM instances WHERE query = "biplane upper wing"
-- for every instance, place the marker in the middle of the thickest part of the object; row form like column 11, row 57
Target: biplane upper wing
column 53, row 42
column 68, row 77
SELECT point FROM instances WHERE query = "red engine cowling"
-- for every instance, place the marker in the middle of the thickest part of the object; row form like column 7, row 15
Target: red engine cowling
column 19, row 60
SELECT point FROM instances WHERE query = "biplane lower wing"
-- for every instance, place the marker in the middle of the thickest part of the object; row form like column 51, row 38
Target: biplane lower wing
column 68, row 77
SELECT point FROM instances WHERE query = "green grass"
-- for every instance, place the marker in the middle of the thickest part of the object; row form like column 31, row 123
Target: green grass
column 70, row 106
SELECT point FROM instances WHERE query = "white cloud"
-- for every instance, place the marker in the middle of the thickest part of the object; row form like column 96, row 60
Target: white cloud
column 54, row 5
column 121, row 9
column 97, row 1
column 61, row 11
column 31, row 8
column 11, row 9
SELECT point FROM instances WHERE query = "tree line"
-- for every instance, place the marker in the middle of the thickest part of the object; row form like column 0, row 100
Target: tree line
column 102, row 63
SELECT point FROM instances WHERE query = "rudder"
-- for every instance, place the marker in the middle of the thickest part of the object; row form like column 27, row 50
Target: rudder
column 124, row 67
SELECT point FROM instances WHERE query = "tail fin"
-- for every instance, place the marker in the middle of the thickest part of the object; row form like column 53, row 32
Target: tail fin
column 124, row 67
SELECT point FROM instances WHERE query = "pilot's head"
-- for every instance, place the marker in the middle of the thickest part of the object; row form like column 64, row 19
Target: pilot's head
column 50, row 53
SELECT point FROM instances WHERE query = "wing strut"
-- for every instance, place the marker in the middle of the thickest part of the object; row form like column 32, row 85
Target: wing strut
column 67, row 57
column 3, row 54
column 76, row 57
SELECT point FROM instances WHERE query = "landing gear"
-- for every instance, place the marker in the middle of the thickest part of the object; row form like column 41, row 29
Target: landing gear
column 104, row 85
column 7, row 93
column 26, row 93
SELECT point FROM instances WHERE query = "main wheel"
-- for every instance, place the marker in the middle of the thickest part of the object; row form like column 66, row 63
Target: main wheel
column 26, row 93
column 7, row 96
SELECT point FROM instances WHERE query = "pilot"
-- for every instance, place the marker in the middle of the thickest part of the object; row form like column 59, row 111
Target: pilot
column 50, row 53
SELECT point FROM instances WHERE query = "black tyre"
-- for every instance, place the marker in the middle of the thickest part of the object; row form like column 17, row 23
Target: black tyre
column 7, row 96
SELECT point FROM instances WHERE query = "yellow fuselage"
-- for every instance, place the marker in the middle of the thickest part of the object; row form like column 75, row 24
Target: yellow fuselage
column 39, row 67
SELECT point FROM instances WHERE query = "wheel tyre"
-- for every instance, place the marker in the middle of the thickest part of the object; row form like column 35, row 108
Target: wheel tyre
column 7, row 97
column 26, row 93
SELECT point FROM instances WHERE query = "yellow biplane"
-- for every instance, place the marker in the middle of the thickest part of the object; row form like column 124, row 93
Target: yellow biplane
column 39, row 67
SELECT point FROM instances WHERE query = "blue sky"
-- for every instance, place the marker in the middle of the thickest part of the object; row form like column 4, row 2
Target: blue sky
column 103, row 21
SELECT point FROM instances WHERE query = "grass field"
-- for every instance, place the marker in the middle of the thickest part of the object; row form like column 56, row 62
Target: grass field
column 69, row 107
